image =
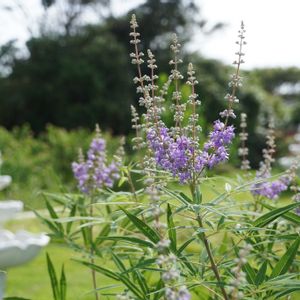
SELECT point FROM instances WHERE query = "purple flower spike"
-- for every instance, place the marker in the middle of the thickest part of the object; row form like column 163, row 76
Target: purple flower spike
column 219, row 138
column 271, row 190
column 179, row 156
column 94, row 173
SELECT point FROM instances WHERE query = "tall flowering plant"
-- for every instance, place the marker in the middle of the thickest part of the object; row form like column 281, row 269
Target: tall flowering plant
column 183, row 235
column 177, row 149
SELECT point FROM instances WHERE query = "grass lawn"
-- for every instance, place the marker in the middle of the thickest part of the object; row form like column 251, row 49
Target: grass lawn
column 32, row 281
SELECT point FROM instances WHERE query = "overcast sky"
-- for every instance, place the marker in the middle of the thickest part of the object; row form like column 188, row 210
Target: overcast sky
column 272, row 28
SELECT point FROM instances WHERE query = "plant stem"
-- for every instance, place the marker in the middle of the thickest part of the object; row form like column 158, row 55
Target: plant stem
column 207, row 247
column 92, row 253
column 211, row 258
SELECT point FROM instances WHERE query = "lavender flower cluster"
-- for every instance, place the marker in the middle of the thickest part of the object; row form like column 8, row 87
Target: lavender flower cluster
column 271, row 189
column 180, row 157
column 267, row 188
column 95, row 172
column 176, row 149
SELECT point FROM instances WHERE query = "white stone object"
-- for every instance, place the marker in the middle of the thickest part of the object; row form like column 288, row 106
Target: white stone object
column 20, row 247
column 8, row 209
column 5, row 180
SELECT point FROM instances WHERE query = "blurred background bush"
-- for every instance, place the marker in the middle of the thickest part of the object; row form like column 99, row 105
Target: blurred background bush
column 75, row 71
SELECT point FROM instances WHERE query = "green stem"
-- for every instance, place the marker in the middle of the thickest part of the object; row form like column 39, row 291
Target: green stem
column 211, row 258
column 208, row 249
column 92, row 253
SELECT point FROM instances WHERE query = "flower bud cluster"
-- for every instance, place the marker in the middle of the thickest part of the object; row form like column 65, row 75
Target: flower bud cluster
column 178, row 107
column 171, row 278
column 272, row 189
column 243, row 151
column 236, row 80
column 96, row 172
column 176, row 149
column 239, row 278
column 193, row 128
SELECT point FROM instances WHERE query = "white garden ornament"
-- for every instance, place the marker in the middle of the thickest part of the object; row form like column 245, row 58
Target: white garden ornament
column 15, row 248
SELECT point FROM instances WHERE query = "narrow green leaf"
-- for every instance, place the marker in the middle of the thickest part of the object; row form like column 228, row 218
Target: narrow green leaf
column 261, row 274
column 63, row 284
column 171, row 229
column 141, row 265
column 53, row 278
column 102, row 234
column 250, row 273
column 142, row 282
column 273, row 215
column 288, row 216
column 132, row 287
column 183, row 246
column 54, row 215
column 198, row 195
column 129, row 239
column 106, row 272
column 179, row 196
column 71, row 215
column 286, row 292
column 118, row 262
column 286, row 260
column 50, row 225
column 151, row 234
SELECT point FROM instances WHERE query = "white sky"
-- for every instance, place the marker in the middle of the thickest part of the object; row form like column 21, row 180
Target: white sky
column 272, row 26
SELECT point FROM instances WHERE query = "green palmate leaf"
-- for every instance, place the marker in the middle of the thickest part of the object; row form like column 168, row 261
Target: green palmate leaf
column 151, row 234
column 288, row 216
column 171, row 229
column 53, row 278
column 286, row 260
column 273, row 215
column 63, row 284
column 261, row 274
column 129, row 239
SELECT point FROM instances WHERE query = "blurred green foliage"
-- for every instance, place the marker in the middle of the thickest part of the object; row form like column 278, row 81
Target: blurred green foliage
column 82, row 75
column 42, row 163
